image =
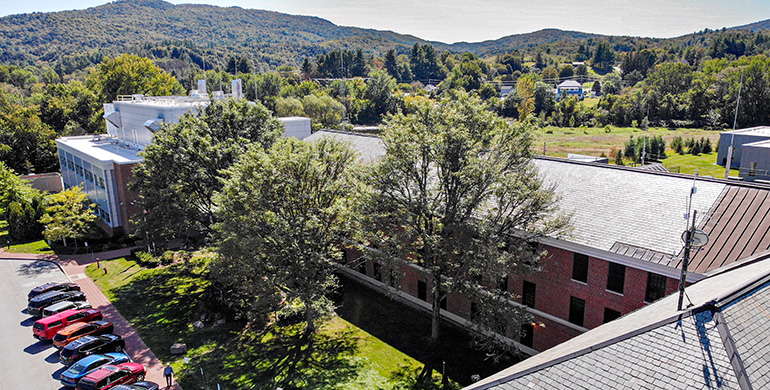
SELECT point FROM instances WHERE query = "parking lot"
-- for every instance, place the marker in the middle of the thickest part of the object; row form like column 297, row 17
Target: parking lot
column 25, row 363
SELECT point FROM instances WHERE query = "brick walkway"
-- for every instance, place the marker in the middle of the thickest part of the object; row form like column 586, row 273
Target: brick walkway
column 74, row 267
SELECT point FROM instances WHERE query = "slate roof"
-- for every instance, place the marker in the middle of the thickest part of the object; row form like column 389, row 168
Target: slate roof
column 719, row 342
column 632, row 207
column 369, row 147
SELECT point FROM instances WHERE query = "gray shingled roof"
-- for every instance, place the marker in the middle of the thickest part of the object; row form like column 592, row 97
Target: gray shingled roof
column 657, row 347
column 635, row 208
column 369, row 147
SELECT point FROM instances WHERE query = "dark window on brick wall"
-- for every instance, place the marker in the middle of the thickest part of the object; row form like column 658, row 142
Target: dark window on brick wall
column 610, row 315
column 577, row 310
column 616, row 277
column 656, row 287
column 525, row 338
column 422, row 290
column 580, row 267
column 378, row 271
column 474, row 310
column 442, row 304
column 503, row 284
column 528, row 294
column 362, row 267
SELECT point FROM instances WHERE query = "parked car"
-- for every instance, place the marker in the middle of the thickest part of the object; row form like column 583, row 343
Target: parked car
column 46, row 328
column 57, row 308
column 110, row 376
column 40, row 302
column 143, row 385
column 89, row 364
column 75, row 331
column 89, row 345
column 52, row 286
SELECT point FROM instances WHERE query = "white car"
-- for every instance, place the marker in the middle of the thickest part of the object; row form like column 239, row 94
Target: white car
column 64, row 305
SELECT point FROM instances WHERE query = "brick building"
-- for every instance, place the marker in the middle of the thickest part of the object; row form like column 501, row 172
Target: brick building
column 625, row 250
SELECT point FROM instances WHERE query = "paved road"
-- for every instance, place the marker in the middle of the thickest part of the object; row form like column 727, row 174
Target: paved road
column 25, row 363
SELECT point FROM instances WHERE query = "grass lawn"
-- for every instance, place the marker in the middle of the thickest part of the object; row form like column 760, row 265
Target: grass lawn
column 38, row 246
column 561, row 141
column 163, row 303
column 594, row 141
column 704, row 165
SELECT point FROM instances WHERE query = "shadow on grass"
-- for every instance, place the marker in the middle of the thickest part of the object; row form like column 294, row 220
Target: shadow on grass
column 163, row 303
column 281, row 358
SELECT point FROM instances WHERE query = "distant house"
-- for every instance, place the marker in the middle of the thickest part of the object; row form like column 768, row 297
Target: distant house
column 506, row 90
column 570, row 88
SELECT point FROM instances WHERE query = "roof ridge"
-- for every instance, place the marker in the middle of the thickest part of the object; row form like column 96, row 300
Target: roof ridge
column 348, row 133
column 669, row 174
column 732, row 351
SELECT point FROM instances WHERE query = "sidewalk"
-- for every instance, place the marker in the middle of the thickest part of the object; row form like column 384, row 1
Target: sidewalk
column 74, row 267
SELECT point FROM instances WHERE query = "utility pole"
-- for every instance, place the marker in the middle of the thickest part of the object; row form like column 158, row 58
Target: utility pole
column 729, row 161
column 686, row 259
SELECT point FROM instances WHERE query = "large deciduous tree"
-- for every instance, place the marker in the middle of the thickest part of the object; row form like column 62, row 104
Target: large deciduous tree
column 20, row 205
column 130, row 74
column 457, row 193
column 68, row 214
column 283, row 213
column 183, row 167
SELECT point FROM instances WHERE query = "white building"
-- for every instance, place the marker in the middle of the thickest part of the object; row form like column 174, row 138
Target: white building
column 102, row 164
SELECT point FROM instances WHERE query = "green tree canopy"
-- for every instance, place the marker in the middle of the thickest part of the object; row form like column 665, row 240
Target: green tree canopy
column 68, row 214
column 283, row 213
column 20, row 205
column 183, row 167
column 130, row 74
column 455, row 183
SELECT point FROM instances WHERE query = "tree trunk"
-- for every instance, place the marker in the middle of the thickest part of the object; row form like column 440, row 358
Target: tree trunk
column 310, row 318
column 436, row 314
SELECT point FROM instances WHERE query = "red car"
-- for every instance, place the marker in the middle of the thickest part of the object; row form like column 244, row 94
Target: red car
column 46, row 328
column 110, row 376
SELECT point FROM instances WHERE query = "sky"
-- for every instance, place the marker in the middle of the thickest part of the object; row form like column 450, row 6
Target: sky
column 452, row 21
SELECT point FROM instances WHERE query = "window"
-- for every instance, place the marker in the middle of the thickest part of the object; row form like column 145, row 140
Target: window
column 580, row 267
column 616, row 277
column 528, row 295
column 54, row 324
column 753, row 169
column 362, row 267
column 525, row 337
column 656, row 287
column 610, row 315
column 577, row 310
column 474, row 311
column 442, row 304
column 503, row 285
column 377, row 271
column 422, row 290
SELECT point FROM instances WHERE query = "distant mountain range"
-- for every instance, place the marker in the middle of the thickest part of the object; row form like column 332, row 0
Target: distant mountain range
column 75, row 39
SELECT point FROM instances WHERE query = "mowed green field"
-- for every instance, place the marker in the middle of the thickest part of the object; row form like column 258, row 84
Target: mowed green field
column 593, row 141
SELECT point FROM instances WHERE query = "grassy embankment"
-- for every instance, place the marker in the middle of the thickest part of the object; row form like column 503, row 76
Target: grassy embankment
column 594, row 141
column 162, row 304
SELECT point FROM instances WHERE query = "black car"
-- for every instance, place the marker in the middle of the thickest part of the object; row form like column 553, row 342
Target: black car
column 142, row 385
column 89, row 345
column 52, row 286
column 40, row 302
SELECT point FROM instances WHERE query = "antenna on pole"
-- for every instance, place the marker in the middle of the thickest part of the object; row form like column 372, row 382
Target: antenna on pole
column 729, row 161
column 692, row 237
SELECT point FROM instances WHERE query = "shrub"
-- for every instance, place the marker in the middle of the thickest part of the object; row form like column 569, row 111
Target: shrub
column 146, row 260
